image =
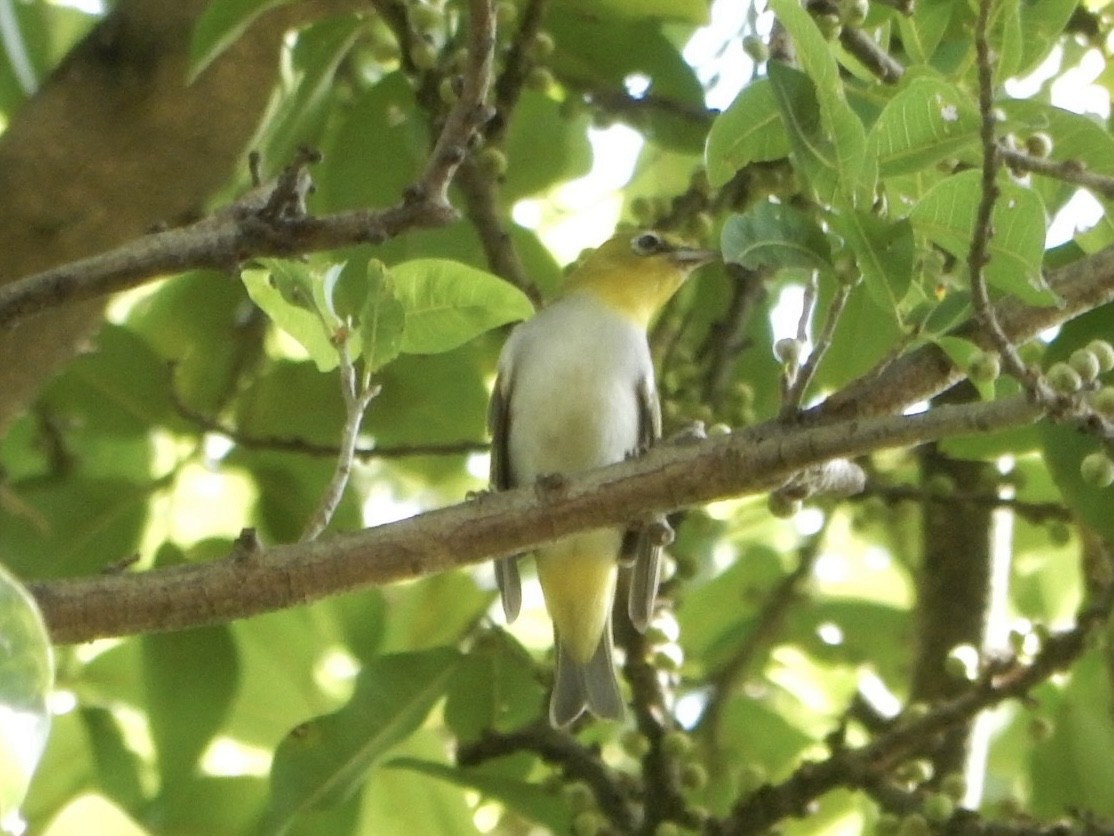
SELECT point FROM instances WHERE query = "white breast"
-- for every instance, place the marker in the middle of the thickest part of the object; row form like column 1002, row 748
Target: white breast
column 574, row 372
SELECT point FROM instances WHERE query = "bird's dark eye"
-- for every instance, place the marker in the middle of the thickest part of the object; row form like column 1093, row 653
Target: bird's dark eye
column 647, row 243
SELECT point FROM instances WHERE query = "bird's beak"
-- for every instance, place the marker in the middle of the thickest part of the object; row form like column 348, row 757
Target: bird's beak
column 692, row 258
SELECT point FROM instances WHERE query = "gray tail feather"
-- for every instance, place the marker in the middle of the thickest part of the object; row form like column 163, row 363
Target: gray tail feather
column 592, row 686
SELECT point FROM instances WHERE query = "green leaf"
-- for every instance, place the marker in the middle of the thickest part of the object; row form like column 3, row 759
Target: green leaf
column 1072, row 769
column 884, row 253
column 58, row 528
column 324, row 760
column 300, row 116
column 946, row 215
column 382, row 320
column 196, row 323
column 222, row 22
column 928, row 121
column 448, row 303
column 496, row 687
column 922, row 32
column 375, row 151
column 856, row 171
column 26, row 680
column 1041, row 25
column 190, row 678
column 284, row 291
column 118, row 768
column 540, row 123
column 800, row 112
column 775, row 235
column 748, row 131
column 497, row 781
column 600, row 51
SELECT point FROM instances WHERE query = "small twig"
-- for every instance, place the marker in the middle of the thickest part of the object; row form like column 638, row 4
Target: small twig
column 871, row 55
column 1069, row 171
column 259, row 224
column 862, row 767
column 560, row 749
column 1034, row 512
column 305, row 447
column 358, row 394
column 979, row 253
column 727, row 337
column 516, row 67
column 812, row 363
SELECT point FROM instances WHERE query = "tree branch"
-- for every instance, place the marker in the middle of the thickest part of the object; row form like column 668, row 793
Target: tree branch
column 667, row 478
column 250, row 228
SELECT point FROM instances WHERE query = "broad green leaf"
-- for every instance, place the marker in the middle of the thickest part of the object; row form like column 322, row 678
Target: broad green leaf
column 775, row 235
column 1006, row 38
column 748, row 131
column 190, row 678
column 448, row 303
column 375, row 151
column 605, row 52
column 403, row 802
column 922, row 32
column 1041, row 25
column 280, row 291
column 26, row 680
column 118, row 768
column 884, row 253
column 928, row 121
column 539, row 123
column 382, row 320
column 496, row 687
column 502, row 782
column 856, row 171
column 51, row 528
column 196, row 323
column 222, row 22
column 1072, row 769
column 813, row 152
column 119, row 390
column 300, row 116
column 324, row 760
column 946, row 215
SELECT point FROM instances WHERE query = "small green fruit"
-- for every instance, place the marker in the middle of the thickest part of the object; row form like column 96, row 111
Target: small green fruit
column 1085, row 363
column 694, row 776
column 1064, row 379
column 756, row 49
column 1104, row 351
column 493, row 161
column 938, row 807
column 423, row 55
column 540, row 79
column 1102, row 402
column 984, row 367
column 1097, row 470
column 676, row 744
column 1038, row 145
column 541, row 47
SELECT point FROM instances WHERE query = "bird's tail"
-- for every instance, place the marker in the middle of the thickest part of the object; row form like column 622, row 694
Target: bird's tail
column 591, row 686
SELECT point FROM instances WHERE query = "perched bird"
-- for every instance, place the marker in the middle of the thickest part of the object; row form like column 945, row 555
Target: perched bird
column 575, row 390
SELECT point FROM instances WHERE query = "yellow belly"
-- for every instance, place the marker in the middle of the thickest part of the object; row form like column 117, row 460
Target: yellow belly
column 577, row 576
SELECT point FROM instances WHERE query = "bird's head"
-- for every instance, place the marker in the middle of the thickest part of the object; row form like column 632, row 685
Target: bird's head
column 635, row 273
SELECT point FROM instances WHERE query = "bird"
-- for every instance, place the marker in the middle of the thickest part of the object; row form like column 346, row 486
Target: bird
column 575, row 390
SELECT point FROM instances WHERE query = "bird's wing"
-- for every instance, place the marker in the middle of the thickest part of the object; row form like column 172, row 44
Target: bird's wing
column 498, row 420
column 646, row 569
